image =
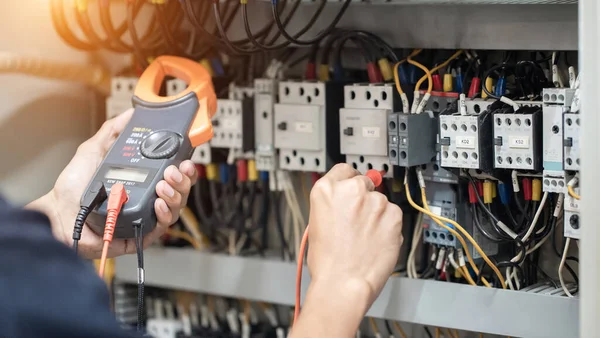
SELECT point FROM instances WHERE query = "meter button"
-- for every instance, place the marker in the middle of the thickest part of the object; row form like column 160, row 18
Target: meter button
column 160, row 144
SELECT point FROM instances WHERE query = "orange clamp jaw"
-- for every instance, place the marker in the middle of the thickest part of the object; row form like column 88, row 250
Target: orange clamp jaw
column 199, row 82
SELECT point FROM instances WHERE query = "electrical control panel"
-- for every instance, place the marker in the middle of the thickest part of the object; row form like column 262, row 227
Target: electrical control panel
column 233, row 125
column 121, row 92
column 518, row 139
column 307, row 125
column 412, row 139
column 571, row 141
column 466, row 141
column 572, row 221
column 265, row 97
column 363, row 126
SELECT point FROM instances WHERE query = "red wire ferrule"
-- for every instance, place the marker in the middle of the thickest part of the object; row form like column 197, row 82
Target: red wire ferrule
column 116, row 199
column 437, row 82
column 372, row 71
column 201, row 170
column 480, row 188
column 472, row 195
column 475, row 85
column 527, row 189
column 242, row 170
column 311, row 71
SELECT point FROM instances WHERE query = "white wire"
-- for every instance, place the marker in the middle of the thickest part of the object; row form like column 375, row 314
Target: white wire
column 561, row 266
column 510, row 272
column 411, row 264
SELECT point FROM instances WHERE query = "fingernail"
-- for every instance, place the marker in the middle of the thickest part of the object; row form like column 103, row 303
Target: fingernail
column 176, row 176
column 168, row 190
column 191, row 171
column 163, row 207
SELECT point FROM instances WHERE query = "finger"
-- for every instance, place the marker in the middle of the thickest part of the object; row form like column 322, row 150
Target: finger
column 172, row 197
column 180, row 182
column 108, row 133
column 164, row 215
column 362, row 180
column 189, row 169
column 341, row 171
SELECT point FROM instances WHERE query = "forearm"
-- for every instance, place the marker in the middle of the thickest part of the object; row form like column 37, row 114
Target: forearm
column 333, row 310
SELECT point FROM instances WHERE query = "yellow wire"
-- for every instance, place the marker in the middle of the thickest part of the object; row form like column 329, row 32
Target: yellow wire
column 427, row 75
column 437, row 332
column 465, row 273
column 427, row 211
column 481, row 335
column 399, row 329
column 438, row 67
column 373, row 326
column 396, row 77
column 185, row 236
column 455, row 334
column 475, row 245
column 572, row 193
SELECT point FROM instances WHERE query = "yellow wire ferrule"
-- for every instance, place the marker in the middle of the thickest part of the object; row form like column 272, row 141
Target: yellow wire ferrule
column 536, row 190
column 386, row 69
column 212, row 173
column 252, row 172
column 448, row 86
column 324, row 72
column 489, row 85
column 206, row 64
column 487, row 192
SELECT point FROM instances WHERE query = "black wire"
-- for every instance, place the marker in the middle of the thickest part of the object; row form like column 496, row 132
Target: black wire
column 139, row 248
column 503, row 66
column 64, row 31
column 279, row 224
column 79, row 223
column 325, row 32
column 428, row 332
column 389, row 328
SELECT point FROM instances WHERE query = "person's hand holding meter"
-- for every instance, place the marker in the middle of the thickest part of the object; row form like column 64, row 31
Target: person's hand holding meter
column 61, row 204
column 354, row 242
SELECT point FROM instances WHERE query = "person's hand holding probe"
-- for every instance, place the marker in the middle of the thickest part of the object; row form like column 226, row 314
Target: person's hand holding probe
column 61, row 204
column 354, row 242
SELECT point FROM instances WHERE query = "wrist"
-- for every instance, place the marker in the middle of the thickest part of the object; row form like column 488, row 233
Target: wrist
column 47, row 206
column 338, row 307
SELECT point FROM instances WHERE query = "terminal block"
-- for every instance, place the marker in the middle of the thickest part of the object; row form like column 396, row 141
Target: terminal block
column 554, row 181
column 121, row 92
column 307, row 125
column 571, row 141
column 439, row 101
column 556, row 102
column 412, row 139
column 518, row 139
column 363, row 126
column 240, row 93
column 233, row 125
column 572, row 220
column 265, row 97
column 466, row 141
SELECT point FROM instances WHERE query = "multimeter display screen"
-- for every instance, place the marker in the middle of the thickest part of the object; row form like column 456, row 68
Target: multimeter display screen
column 127, row 174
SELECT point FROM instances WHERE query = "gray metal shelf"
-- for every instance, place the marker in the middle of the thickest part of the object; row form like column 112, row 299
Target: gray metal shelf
column 502, row 312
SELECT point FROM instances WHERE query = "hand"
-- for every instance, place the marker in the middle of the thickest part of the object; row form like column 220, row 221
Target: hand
column 355, row 233
column 62, row 203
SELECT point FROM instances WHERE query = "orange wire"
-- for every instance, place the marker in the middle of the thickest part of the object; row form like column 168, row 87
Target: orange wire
column 103, row 259
column 299, row 273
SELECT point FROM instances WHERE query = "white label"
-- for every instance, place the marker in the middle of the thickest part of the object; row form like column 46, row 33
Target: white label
column 204, row 320
column 461, row 258
column 371, row 132
column 465, row 142
column 230, row 123
column 232, row 320
column 520, row 142
column 440, row 259
column 280, row 332
column 304, row 127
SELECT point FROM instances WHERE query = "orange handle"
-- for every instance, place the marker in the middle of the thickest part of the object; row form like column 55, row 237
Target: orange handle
column 199, row 82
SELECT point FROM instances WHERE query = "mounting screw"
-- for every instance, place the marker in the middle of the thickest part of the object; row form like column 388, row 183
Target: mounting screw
column 574, row 222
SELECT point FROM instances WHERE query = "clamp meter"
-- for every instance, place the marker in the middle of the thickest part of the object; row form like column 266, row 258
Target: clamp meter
column 163, row 131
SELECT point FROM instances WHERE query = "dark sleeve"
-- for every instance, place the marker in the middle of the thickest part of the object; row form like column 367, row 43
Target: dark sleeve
column 45, row 289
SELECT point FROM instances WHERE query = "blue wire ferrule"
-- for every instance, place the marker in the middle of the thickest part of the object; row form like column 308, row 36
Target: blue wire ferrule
column 402, row 76
column 264, row 176
column 504, row 193
column 412, row 73
column 224, row 173
column 500, row 87
column 459, row 82
column 217, row 66
column 338, row 73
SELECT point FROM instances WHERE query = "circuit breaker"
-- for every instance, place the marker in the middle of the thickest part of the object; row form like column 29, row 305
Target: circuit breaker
column 572, row 221
column 556, row 101
column 307, row 125
column 265, row 97
column 121, row 92
column 363, row 126
column 233, row 125
column 518, row 139
column 571, row 142
column 466, row 141
column 412, row 139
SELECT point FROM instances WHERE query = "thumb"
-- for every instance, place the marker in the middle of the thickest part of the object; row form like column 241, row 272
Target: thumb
column 110, row 130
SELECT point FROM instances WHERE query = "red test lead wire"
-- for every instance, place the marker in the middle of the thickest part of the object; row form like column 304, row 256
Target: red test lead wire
column 116, row 199
column 376, row 177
